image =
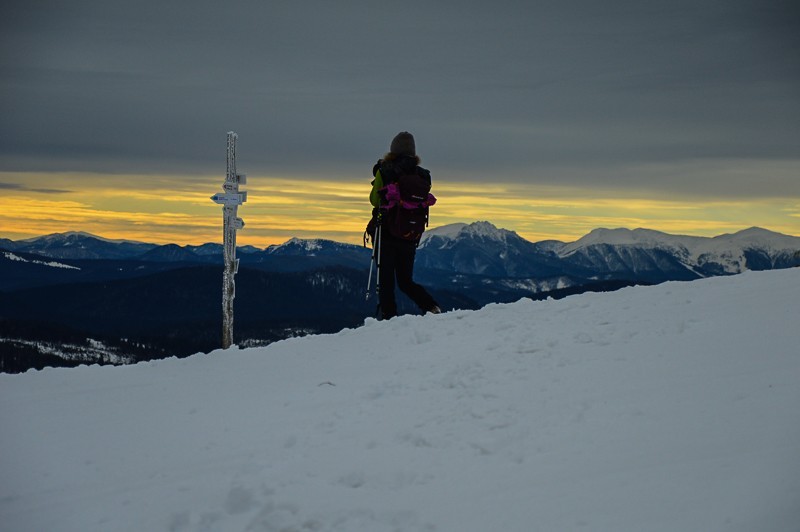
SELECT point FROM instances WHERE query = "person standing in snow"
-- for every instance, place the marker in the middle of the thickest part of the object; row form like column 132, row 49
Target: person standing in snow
column 397, row 254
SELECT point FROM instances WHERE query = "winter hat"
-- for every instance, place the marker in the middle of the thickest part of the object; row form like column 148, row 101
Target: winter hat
column 403, row 144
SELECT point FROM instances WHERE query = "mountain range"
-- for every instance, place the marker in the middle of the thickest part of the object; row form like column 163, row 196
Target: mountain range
column 136, row 300
column 639, row 254
column 478, row 248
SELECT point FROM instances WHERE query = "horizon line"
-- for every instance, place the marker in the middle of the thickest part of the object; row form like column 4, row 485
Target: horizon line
column 134, row 241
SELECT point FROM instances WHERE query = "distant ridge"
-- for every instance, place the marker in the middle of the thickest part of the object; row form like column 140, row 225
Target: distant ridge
column 480, row 229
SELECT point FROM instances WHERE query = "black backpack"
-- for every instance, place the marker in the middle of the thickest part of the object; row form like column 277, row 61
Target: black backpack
column 405, row 200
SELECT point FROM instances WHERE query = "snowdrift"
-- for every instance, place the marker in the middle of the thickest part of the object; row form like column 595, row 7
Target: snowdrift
column 673, row 407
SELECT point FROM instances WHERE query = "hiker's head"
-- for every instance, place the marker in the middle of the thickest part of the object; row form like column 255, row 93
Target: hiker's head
column 402, row 145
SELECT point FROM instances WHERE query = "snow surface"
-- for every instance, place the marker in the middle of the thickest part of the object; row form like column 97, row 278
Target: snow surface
column 665, row 408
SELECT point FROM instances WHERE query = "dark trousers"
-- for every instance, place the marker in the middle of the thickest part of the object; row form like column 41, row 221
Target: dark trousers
column 397, row 262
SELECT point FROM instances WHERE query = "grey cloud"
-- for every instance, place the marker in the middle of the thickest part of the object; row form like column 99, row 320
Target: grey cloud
column 21, row 188
column 579, row 93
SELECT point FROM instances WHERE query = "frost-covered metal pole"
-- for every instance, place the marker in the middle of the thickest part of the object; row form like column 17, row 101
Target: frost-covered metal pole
column 230, row 200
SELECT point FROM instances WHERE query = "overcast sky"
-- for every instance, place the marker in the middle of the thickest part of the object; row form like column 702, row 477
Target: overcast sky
column 684, row 98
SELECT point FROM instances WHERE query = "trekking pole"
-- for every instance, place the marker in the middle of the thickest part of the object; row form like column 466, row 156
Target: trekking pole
column 374, row 259
column 378, row 275
column 371, row 264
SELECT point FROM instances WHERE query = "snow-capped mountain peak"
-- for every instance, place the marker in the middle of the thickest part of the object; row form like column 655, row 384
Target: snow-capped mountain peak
column 754, row 236
column 481, row 248
column 646, row 238
column 444, row 231
column 312, row 247
column 61, row 236
column 72, row 236
column 625, row 249
column 81, row 245
column 445, row 234
column 762, row 238
column 306, row 245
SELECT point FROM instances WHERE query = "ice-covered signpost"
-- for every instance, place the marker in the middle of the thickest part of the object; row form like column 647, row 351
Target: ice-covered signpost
column 230, row 200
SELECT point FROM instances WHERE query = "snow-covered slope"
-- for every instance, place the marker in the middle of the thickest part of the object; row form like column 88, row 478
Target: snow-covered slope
column 7, row 255
column 662, row 408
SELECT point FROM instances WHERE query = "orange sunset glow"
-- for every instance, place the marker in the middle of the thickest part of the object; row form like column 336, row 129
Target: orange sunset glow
column 164, row 209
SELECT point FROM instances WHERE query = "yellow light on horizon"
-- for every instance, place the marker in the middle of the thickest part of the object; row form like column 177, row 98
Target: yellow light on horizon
column 133, row 208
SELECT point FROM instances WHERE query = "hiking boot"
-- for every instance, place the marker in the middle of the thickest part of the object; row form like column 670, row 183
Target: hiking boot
column 434, row 310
